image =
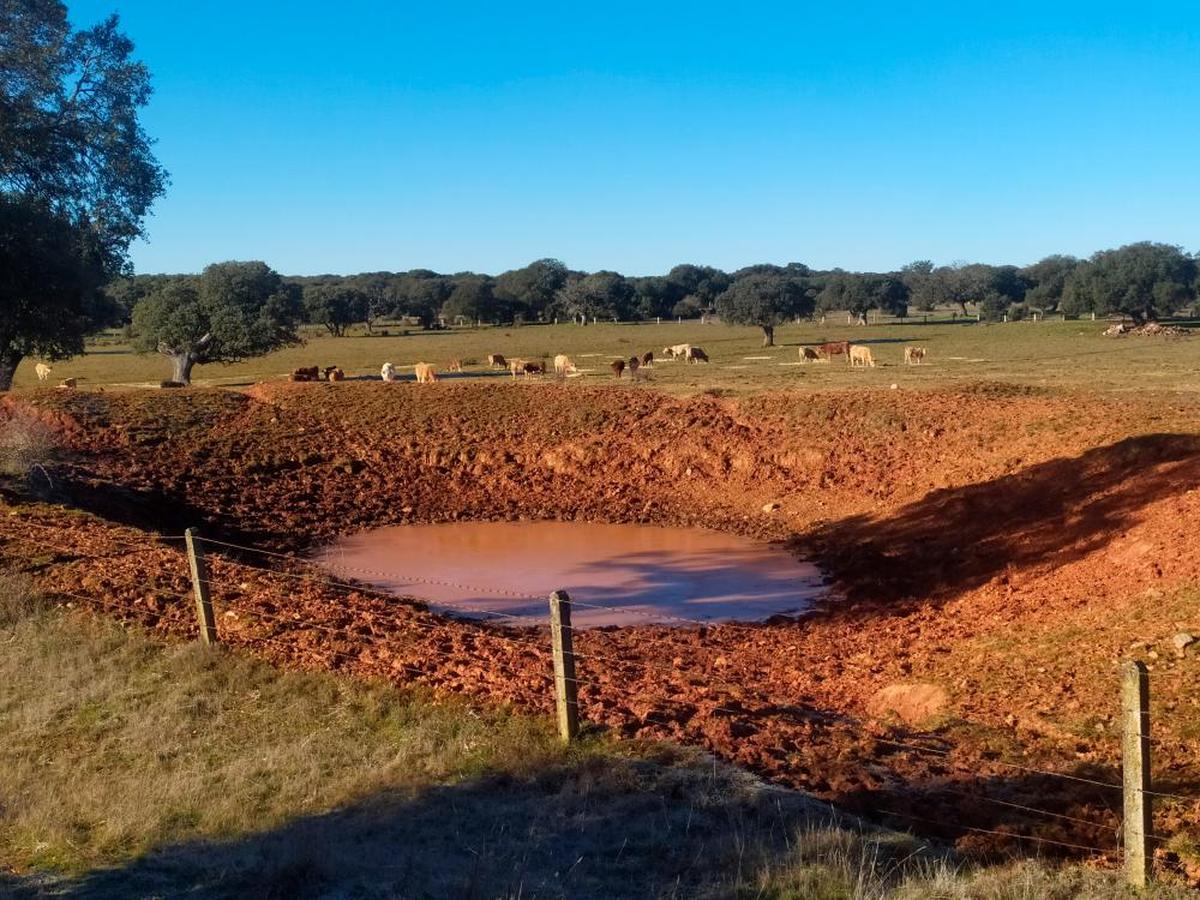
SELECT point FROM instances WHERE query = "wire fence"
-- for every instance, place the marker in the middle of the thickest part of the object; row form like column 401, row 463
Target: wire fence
column 525, row 659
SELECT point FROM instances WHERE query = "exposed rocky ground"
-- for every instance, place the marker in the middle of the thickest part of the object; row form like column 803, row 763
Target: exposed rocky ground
column 995, row 553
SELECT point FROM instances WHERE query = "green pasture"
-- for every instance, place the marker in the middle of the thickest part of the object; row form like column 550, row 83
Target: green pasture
column 1051, row 353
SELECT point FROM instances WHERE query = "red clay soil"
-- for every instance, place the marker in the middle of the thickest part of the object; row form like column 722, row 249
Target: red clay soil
column 996, row 554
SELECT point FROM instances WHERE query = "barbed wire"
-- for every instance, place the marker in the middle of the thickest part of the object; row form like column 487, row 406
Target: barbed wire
column 372, row 639
column 327, row 581
column 379, row 574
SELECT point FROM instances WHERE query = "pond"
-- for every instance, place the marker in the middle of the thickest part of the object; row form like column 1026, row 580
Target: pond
column 645, row 573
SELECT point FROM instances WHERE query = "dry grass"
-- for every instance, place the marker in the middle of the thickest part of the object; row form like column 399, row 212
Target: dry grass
column 26, row 446
column 849, row 864
column 130, row 768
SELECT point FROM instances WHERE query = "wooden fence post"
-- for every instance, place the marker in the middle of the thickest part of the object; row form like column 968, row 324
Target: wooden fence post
column 1135, row 765
column 204, row 609
column 565, row 693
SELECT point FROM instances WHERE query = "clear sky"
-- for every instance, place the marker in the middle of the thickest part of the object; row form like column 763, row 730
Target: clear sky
column 355, row 136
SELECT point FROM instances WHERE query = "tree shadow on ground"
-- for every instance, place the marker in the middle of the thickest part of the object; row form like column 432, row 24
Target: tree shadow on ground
column 615, row 828
column 1053, row 513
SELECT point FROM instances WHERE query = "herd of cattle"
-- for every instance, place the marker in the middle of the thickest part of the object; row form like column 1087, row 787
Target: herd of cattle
column 563, row 366
column 857, row 355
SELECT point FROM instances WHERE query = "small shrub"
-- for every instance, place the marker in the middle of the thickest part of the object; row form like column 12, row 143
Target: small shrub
column 19, row 600
column 25, row 445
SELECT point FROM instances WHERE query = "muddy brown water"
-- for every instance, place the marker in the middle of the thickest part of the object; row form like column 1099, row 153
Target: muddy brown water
column 646, row 572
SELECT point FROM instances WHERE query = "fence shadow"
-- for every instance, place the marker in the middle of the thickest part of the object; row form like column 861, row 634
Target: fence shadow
column 1056, row 512
column 600, row 831
column 604, row 831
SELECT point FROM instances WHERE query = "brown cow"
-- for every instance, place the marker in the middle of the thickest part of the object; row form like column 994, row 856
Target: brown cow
column 648, row 359
column 808, row 354
column 306, row 373
column 913, row 355
column 496, row 361
column 835, row 348
column 618, row 367
column 634, row 364
column 696, row 355
column 68, row 384
column 326, row 371
column 335, row 374
column 534, row 368
column 455, row 365
column 425, row 373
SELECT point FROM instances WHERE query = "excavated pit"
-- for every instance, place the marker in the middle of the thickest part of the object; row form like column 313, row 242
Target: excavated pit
column 996, row 552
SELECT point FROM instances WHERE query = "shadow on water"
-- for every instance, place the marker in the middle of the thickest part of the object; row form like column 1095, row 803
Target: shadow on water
column 727, row 578
column 1053, row 513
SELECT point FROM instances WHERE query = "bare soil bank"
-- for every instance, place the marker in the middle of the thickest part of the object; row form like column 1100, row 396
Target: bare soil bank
column 1004, row 548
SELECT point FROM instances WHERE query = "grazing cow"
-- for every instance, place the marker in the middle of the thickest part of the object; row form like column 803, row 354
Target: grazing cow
column 835, row 348
column 67, row 384
column 861, row 356
column 43, row 371
column 696, row 355
column 335, row 374
column 526, row 366
column 496, row 361
column 808, row 354
column 563, row 365
column 648, row 359
column 426, row 374
column 618, row 367
column 677, row 351
column 325, row 372
column 455, row 365
column 913, row 355
column 634, row 364
column 306, row 373
column 388, row 372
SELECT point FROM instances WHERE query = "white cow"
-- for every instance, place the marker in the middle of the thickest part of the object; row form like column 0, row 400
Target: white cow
column 861, row 356
column 678, row 351
column 43, row 371
column 563, row 365
column 388, row 372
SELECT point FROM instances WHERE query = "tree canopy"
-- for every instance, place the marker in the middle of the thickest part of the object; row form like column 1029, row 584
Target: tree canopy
column 601, row 295
column 1143, row 281
column 50, row 279
column 233, row 311
column 75, row 167
column 529, row 291
column 765, row 299
column 336, row 306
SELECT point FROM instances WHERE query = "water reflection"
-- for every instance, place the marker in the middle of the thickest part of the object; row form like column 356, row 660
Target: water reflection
column 644, row 570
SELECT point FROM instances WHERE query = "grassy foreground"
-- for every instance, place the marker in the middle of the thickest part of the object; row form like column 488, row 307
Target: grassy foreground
column 133, row 769
column 1068, row 354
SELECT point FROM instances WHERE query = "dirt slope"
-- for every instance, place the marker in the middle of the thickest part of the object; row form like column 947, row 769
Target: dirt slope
column 1004, row 548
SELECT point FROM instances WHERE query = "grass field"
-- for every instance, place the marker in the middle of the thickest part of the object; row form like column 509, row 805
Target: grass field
column 1055, row 353
column 132, row 768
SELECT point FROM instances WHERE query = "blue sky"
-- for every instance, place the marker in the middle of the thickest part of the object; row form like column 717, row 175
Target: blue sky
column 357, row 136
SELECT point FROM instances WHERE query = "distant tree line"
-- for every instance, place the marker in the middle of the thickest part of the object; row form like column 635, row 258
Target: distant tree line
column 1143, row 281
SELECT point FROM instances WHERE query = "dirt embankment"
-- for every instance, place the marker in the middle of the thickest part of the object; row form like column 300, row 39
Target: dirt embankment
column 999, row 551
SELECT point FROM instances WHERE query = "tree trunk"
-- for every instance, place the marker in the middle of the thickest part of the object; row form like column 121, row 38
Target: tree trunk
column 768, row 335
column 181, row 367
column 8, row 368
